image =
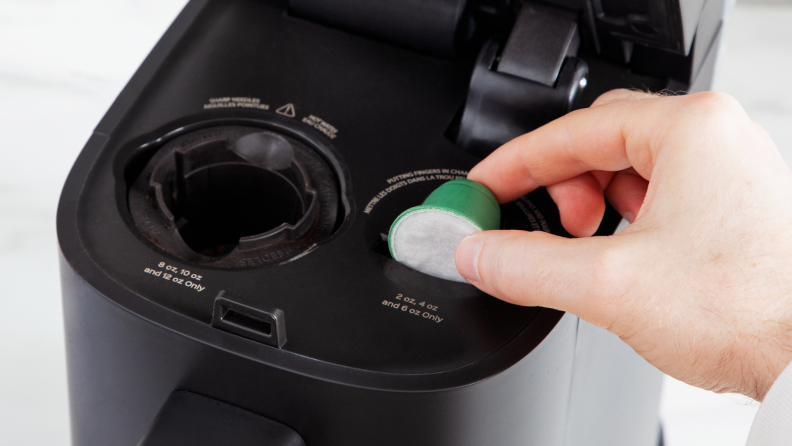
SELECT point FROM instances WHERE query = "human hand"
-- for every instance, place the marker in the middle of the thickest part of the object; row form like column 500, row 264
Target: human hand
column 700, row 284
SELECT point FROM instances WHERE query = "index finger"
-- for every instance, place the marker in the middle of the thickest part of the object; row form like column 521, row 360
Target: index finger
column 622, row 129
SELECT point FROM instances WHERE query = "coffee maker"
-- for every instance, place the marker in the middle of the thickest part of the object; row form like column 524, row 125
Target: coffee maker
column 223, row 234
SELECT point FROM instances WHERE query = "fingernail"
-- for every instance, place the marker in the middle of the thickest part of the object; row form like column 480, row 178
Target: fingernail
column 467, row 258
column 629, row 216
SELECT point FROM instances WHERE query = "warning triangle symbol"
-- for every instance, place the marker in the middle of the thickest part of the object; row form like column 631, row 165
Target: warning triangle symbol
column 286, row 110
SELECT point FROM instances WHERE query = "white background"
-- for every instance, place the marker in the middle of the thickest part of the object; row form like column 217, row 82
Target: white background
column 62, row 62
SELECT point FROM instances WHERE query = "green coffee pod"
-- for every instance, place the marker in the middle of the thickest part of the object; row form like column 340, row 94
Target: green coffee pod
column 425, row 237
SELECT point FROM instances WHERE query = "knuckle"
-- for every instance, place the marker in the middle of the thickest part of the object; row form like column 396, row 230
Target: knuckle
column 603, row 272
column 618, row 94
column 612, row 95
column 606, row 276
column 713, row 106
column 506, row 275
column 507, row 272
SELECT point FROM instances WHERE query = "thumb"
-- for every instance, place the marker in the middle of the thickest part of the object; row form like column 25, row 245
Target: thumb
column 588, row 277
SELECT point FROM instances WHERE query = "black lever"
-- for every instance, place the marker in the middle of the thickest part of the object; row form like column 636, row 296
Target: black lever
column 533, row 80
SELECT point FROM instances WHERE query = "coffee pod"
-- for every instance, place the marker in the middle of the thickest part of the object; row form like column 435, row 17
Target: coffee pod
column 425, row 237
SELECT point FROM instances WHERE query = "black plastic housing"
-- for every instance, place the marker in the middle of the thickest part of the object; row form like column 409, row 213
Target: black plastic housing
column 190, row 419
column 330, row 339
column 438, row 27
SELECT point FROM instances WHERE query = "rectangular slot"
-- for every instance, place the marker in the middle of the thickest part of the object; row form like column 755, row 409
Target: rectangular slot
column 246, row 322
column 265, row 325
